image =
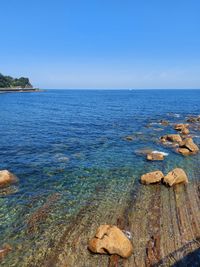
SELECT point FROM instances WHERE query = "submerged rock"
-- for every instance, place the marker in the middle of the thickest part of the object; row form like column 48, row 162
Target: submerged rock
column 4, row 251
column 176, row 176
column 7, row 178
column 164, row 122
column 194, row 119
column 129, row 138
column 152, row 177
column 109, row 239
column 143, row 151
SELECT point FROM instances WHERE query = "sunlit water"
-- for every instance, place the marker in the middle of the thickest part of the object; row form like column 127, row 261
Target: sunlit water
column 69, row 146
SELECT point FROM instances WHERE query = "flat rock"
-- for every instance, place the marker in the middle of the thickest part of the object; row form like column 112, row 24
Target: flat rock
column 152, row 177
column 155, row 156
column 184, row 151
column 176, row 176
column 7, row 178
column 109, row 239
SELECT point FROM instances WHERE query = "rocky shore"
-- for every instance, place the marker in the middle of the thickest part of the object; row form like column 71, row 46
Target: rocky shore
column 149, row 224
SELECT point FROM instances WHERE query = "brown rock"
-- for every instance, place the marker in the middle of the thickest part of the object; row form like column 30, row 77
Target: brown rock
column 184, row 151
column 155, row 156
column 163, row 139
column 152, row 177
column 174, row 138
column 176, row 176
column 7, row 178
column 109, row 239
column 189, row 144
column 180, row 126
column 185, row 131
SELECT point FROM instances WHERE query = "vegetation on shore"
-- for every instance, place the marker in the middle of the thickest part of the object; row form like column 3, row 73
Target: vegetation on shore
column 10, row 82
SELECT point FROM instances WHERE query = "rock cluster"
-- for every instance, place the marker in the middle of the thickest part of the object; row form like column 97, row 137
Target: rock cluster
column 185, row 146
column 188, row 147
column 175, row 176
column 109, row 239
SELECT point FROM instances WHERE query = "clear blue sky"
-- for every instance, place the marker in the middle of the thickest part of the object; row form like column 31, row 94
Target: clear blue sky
column 102, row 43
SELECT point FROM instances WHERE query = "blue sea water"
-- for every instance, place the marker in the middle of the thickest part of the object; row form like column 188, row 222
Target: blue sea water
column 72, row 143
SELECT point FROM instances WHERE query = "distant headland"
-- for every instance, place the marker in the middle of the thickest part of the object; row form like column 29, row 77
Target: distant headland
column 10, row 84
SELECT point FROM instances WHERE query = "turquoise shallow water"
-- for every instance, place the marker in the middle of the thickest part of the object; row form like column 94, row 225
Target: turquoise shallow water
column 67, row 147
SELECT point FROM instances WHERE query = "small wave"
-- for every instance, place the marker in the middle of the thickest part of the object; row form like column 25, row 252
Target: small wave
column 155, row 123
column 160, row 152
column 176, row 115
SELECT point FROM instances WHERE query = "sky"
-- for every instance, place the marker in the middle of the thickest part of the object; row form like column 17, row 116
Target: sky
column 102, row 44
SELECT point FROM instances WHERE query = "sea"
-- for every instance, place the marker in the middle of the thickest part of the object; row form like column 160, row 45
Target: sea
column 67, row 147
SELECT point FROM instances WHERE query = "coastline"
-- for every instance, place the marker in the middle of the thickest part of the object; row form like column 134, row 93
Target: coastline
column 19, row 90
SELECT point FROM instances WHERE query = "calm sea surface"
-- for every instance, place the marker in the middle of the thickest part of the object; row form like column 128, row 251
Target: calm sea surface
column 67, row 146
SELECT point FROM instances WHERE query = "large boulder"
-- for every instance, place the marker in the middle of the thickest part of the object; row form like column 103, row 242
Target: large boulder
column 155, row 156
column 152, row 177
column 176, row 176
column 109, row 239
column 7, row 178
column 190, row 145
